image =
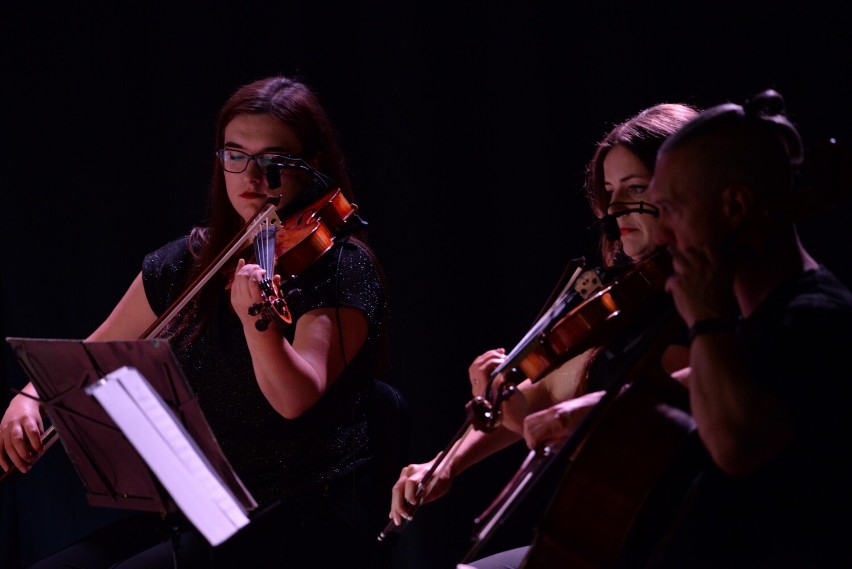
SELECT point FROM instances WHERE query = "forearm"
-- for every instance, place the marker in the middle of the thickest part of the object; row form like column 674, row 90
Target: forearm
column 741, row 423
column 477, row 445
column 287, row 380
column 26, row 401
column 293, row 377
column 130, row 318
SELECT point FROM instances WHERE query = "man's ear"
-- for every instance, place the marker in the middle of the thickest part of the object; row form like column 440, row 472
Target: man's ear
column 737, row 204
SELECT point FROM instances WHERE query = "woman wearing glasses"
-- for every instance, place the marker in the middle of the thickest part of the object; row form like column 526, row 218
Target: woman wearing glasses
column 287, row 403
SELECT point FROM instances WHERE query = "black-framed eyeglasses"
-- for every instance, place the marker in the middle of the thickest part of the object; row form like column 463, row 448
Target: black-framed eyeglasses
column 236, row 161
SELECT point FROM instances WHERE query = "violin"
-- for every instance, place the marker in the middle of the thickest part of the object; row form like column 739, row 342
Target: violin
column 597, row 318
column 631, row 469
column 291, row 246
column 627, row 470
column 273, row 307
column 564, row 331
column 298, row 242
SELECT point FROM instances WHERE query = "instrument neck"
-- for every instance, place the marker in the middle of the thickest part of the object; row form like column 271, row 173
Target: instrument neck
column 264, row 248
column 236, row 244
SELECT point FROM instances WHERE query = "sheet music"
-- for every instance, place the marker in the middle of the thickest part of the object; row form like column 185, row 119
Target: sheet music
column 170, row 452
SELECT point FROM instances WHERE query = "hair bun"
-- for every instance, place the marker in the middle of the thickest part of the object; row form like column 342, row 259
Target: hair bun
column 768, row 108
column 765, row 104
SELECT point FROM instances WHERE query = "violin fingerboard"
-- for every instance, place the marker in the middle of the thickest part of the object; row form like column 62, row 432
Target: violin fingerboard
column 264, row 249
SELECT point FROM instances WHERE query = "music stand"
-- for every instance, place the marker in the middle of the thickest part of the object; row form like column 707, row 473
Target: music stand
column 113, row 472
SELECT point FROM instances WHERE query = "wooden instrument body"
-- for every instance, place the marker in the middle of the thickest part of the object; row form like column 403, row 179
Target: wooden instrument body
column 308, row 235
column 629, row 479
column 598, row 318
column 627, row 486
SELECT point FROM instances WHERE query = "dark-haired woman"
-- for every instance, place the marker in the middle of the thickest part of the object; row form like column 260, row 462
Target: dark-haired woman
column 547, row 412
column 287, row 404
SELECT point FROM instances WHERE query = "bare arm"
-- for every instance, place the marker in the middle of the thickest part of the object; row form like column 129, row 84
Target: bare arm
column 130, row 317
column 294, row 377
column 741, row 423
column 563, row 382
column 473, row 447
column 22, row 426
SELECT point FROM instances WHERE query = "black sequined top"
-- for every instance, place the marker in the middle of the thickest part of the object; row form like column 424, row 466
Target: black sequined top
column 276, row 457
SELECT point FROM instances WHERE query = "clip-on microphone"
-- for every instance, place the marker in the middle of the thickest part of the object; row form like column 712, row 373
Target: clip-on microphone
column 273, row 176
column 282, row 161
column 273, row 180
column 610, row 226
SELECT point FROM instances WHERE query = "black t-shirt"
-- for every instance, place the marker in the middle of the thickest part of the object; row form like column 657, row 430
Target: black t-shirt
column 793, row 512
column 277, row 457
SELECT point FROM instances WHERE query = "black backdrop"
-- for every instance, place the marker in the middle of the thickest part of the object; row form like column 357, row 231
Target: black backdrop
column 467, row 127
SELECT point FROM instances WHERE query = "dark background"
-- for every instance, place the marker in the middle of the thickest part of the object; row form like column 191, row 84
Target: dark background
column 467, row 126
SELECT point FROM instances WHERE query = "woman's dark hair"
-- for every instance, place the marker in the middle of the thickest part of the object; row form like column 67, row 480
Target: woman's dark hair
column 293, row 103
column 642, row 134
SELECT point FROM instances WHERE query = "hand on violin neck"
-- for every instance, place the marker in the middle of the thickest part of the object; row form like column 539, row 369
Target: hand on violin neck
column 479, row 371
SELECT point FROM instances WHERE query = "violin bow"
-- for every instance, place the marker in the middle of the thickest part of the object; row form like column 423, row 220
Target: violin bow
column 574, row 267
column 554, row 308
column 48, row 437
column 538, row 460
column 531, row 470
column 429, row 479
column 552, row 311
column 263, row 215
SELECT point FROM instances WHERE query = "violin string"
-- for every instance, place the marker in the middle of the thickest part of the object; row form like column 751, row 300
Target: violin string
column 555, row 311
column 423, row 490
column 266, row 266
column 263, row 248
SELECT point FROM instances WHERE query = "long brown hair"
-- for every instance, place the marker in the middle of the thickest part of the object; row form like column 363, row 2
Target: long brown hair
column 642, row 134
column 292, row 102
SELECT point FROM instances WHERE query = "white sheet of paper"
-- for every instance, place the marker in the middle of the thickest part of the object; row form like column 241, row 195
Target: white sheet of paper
column 171, row 453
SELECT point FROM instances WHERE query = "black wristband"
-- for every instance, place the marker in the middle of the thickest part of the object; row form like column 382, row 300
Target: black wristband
column 710, row 326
